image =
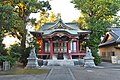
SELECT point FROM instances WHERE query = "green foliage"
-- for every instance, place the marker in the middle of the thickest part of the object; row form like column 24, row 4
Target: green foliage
column 7, row 58
column 14, row 16
column 97, row 16
column 31, row 44
column 97, row 59
column 46, row 17
column 25, row 55
column 14, row 51
column 3, row 51
column 12, row 55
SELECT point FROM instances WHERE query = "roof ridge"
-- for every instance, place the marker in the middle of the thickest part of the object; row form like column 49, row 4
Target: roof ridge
column 112, row 31
column 60, row 21
column 118, row 38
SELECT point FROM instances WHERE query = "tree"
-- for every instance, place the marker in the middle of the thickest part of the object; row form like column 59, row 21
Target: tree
column 7, row 20
column 25, row 8
column 46, row 17
column 99, row 15
column 81, row 22
column 54, row 17
column 22, row 9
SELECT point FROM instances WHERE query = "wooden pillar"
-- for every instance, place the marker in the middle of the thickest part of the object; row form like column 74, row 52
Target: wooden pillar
column 69, row 56
column 77, row 46
column 51, row 49
column 43, row 47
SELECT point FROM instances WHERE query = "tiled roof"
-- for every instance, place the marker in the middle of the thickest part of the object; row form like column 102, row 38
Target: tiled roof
column 71, row 25
column 115, row 33
column 73, row 32
column 46, row 26
column 107, row 43
column 71, row 28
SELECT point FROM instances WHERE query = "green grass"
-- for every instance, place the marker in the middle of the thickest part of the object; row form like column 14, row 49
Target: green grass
column 24, row 71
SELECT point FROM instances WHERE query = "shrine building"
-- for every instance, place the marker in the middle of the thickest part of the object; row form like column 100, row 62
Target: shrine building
column 61, row 40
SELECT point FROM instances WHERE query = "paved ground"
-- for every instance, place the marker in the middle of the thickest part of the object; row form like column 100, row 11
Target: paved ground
column 60, row 73
column 23, row 77
column 106, row 71
column 96, row 74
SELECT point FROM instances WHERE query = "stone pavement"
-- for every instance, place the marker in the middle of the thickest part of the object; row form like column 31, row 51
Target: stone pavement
column 96, row 74
column 60, row 73
column 107, row 72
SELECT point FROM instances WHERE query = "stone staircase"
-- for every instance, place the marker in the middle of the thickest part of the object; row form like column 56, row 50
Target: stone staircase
column 60, row 63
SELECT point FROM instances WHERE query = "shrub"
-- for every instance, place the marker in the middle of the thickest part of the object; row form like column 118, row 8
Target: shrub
column 7, row 58
column 14, row 51
column 97, row 59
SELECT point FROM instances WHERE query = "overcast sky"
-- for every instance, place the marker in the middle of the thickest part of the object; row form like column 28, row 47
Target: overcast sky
column 65, row 8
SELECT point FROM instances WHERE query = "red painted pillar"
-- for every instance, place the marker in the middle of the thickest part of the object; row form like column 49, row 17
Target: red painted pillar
column 77, row 46
column 43, row 48
column 69, row 56
column 51, row 49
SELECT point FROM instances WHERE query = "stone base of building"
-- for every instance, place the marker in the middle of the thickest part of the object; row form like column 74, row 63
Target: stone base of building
column 60, row 62
column 68, row 62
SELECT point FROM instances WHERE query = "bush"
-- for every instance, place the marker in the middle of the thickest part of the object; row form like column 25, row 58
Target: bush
column 7, row 58
column 97, row 59
column 14, row 51
column 24, row 56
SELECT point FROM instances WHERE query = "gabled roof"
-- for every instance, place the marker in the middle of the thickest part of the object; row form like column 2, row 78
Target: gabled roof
column 71, row 28
column 115, row 33
column 60, row 25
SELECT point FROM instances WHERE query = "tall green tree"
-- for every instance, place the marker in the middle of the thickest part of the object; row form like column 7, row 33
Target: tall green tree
column 7, row 20
column 22, row 9
column 99, row 15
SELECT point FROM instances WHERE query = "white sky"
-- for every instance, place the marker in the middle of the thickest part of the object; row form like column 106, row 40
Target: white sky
column 65, row 8
column 8, row 40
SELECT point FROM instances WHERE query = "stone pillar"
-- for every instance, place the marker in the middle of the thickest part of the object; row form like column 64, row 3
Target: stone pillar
column 51, row 49
column 69, row 56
